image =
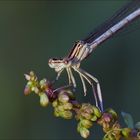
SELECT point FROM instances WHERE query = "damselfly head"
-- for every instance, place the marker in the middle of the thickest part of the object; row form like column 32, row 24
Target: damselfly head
column 54, row 61
column 57, row 64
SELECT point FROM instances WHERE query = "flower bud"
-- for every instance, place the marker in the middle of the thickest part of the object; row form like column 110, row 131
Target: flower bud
column 27, row 90
column 111, row 111
column 94, row 118
column 36, row 90
column 84, row 132
column 55, row 103
column 29, row 83
column 112, row 137
column 96, row 111
column 32, row 76
column 32, row 73
column 56, row 113
column 68, row 106
column 107, row 117
column 70, row 94
column 63, row 98
column 43, row 99
column 106, row 127
column 86, row 107
column 126, row 132
column 27, row 77
column 61, row 108
column 86, row 115
column 86, row 123
column 66, row 114
column 43, row 84
column 32, row 88
column 78, row 127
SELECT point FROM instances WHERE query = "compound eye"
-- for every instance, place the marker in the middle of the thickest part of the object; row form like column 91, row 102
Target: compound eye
column 54, row 59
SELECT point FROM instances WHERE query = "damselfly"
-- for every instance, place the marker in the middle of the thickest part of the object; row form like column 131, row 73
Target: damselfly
column 83, row 48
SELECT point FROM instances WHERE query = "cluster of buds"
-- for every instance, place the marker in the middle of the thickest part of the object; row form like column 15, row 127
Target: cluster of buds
column 38, row 87
column 112, row 128
column 109, row 122
column 87, row 115
column 63, row 105
column 132, row 133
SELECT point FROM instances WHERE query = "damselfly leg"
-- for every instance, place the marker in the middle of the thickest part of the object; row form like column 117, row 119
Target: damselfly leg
column 72, row 77
column 62, row 88
column 90, row 79
column 58, row 74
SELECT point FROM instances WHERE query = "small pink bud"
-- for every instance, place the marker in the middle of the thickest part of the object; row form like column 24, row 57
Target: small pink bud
column 107, row 117
column 27, row 90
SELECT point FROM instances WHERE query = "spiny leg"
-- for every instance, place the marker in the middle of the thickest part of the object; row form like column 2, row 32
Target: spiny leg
column 69, row 76
column 61, row 88
column 84, row 85
column 97, row 82
column 90, row 82
column 72, row 77
column 58, row 74
column 98, row 86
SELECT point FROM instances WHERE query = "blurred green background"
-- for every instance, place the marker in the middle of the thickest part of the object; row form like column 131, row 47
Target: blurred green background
column 33, row 31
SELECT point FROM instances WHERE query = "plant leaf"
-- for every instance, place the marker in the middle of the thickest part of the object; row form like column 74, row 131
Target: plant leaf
column 128, row 119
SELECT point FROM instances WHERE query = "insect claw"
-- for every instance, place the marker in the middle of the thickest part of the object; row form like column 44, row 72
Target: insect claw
column 56, row 78
column 72, row 86
column 85, row 93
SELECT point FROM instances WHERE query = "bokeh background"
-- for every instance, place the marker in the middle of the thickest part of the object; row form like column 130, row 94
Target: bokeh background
column 33, row 31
